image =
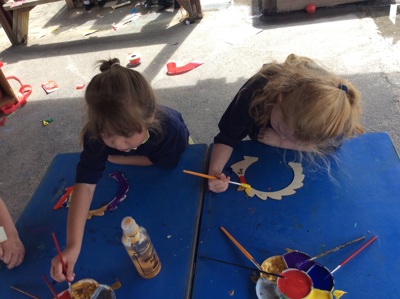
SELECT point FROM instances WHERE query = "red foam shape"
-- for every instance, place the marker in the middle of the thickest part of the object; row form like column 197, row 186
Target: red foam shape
column 172, row 69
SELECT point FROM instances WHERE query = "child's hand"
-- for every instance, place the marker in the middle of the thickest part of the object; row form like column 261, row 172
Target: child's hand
column 219, row 185
column 56, row 270
column 269, row 136
column 12, row 251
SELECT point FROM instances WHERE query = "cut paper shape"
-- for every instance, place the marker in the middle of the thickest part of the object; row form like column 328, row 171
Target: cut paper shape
column 118, row 198
column 65, row 199
column 127, row 19
column 112, row 205
column 172, row 69
column 237, row 35
column 240, row 168
column 44, row 32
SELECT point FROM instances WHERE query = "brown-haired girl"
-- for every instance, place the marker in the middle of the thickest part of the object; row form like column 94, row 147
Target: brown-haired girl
column 125, row 126
column 295, row 105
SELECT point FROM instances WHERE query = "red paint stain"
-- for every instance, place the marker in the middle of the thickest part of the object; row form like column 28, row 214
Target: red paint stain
column 296, row 284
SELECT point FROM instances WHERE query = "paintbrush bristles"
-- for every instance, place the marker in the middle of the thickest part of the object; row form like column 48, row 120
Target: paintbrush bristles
column 246, row 186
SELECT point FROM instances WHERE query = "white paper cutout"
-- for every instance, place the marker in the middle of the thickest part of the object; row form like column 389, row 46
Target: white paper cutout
column 240, row 168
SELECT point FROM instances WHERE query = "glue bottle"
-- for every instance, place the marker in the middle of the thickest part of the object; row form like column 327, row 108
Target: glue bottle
column 140, row 248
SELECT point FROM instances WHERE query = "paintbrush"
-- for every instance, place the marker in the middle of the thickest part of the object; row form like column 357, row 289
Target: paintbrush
column 25, row 293
column 330, row 251
column 244, row 251
column 62, row 262
column 354, row 254
column 50, row 287
column 241, row 266
column 211, row 177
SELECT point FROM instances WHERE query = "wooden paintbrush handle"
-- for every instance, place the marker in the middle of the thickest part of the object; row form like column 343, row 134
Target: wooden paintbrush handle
column 244, row 251
column 206, row 176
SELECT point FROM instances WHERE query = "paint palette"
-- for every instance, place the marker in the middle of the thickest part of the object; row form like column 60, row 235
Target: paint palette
column 318, row 285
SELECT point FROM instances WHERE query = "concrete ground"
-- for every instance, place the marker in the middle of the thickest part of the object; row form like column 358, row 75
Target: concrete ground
column 233, row 40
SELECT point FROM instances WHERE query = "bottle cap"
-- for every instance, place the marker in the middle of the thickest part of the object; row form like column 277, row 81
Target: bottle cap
column 129, row 225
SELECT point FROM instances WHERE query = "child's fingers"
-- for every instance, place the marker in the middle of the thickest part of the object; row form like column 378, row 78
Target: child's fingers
column 70, row 272
column 14, row 260
column 56, row 270
column 7, row 256
column 218, row 185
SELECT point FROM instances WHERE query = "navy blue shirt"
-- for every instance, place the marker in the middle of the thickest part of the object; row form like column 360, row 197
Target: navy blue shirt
column 163, row 151
column 236, row 123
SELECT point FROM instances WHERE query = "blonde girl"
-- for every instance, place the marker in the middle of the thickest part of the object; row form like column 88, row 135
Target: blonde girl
column 295, row 105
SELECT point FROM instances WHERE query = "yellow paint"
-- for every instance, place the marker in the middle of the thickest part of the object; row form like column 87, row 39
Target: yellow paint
column 319, row 294
column 246, row 186
column 338, row 293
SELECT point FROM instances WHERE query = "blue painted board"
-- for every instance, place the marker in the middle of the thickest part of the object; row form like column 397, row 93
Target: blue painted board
column 359, row 197
column 166, row 202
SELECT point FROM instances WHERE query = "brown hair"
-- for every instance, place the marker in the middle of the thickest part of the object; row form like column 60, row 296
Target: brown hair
column 322, row 108
column 119, row 101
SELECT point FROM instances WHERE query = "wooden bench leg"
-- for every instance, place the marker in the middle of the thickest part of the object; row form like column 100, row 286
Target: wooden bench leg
column 6, row 23
column 70, row 3
column 21, row 24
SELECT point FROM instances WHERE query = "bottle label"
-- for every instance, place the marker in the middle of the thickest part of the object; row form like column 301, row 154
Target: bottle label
column 146, row 260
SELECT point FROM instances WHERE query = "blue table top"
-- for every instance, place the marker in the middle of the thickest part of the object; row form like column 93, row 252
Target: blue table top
column 165, row 202
column 360, row 197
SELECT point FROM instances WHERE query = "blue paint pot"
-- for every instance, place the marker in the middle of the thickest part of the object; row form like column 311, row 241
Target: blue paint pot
column 322, row 278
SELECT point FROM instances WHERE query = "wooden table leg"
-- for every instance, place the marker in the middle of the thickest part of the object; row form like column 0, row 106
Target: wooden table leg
column 21, row 24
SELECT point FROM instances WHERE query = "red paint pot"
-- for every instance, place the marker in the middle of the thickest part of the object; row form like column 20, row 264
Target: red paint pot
column 296, row 284
column 310, row 8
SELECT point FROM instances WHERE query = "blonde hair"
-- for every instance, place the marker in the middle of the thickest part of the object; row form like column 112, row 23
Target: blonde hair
column 322, row 108
column 120, row 101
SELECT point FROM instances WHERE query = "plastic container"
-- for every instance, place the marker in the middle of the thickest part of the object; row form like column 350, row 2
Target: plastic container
column 140, row 248
column 88, row 289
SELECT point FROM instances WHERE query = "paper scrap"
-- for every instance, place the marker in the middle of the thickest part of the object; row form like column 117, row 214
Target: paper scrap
column 50, row 86
column 238, row 36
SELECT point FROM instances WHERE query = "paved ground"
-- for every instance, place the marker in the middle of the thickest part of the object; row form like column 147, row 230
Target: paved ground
column 233, row 41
